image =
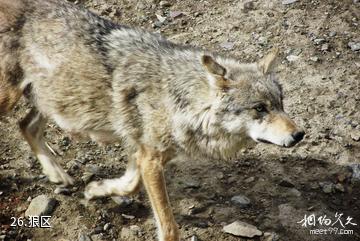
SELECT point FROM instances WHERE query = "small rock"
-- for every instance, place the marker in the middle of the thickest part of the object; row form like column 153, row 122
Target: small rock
column 128, row 216
column 191, row 184
column 157, row 24
column 164, row 4
column 175, row 14
column 122, row 201
column 107, row 226
column 314, row 59
column 41, row 205
column 227, row 45
column 292, row 58
column 242, row 229
column 355, row 171
column 270, row 237
column 248, row 6
column 160, row 18
column 332, row 34
column 250, row 179
column 194, row 238
column 354, row 46
column 241, row 200
column 325, row 47
column 262, row 41
column 295, row 192
column 319, row 41
column 287, row 2
column 355, row 135
column 62, row 190
column 327, row 187
column 135, row 228
column 84, row 237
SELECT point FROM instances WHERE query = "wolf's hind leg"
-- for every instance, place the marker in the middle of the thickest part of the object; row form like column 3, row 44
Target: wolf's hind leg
column 32, row 128
column 126, row 185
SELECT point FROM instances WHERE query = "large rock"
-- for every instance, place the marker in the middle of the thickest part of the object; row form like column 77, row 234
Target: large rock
column 41, row 205
column 242, row 229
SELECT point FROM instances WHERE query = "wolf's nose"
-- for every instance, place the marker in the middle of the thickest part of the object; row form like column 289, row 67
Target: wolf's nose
column 298, row 136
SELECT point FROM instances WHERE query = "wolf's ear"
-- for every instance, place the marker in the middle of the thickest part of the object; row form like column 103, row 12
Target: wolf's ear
column 212, row 66
column 216, row 71
column 267, row 64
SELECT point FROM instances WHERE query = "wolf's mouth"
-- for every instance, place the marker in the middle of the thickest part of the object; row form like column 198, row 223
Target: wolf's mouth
column 293, row 143
column 268, row 142
column 264, row 141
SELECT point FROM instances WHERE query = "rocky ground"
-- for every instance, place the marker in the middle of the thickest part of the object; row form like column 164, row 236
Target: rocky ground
column 269, row 190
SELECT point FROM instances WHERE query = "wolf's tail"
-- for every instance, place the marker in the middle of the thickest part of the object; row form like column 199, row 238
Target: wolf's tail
column 11, row 21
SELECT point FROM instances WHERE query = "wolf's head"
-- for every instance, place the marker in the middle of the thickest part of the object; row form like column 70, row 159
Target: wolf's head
column 250, row 101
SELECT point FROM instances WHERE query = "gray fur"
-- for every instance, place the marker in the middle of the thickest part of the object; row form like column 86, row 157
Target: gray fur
column 110, row 81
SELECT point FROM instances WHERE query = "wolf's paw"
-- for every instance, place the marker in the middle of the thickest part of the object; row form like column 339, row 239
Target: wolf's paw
column 58, row 175
column 95, row 189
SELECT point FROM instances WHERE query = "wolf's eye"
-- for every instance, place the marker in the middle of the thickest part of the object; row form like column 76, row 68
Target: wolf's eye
column 260, row 108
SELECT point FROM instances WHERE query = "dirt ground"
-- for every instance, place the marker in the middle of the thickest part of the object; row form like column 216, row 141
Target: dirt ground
column 320, row 73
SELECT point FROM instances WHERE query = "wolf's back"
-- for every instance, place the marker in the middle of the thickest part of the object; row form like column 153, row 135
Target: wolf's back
column 11, row 17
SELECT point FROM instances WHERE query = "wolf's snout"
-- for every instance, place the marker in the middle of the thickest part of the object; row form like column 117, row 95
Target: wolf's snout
column 297, row 136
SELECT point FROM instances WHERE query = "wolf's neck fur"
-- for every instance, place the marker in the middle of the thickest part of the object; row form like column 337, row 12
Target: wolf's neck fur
column 182, row 87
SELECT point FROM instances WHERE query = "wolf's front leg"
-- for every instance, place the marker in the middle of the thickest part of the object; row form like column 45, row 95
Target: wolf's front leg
column 126, row 185
column 32, row 128
column 151, row 164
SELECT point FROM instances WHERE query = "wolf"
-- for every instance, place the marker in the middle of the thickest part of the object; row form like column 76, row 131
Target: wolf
column 112, row 82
